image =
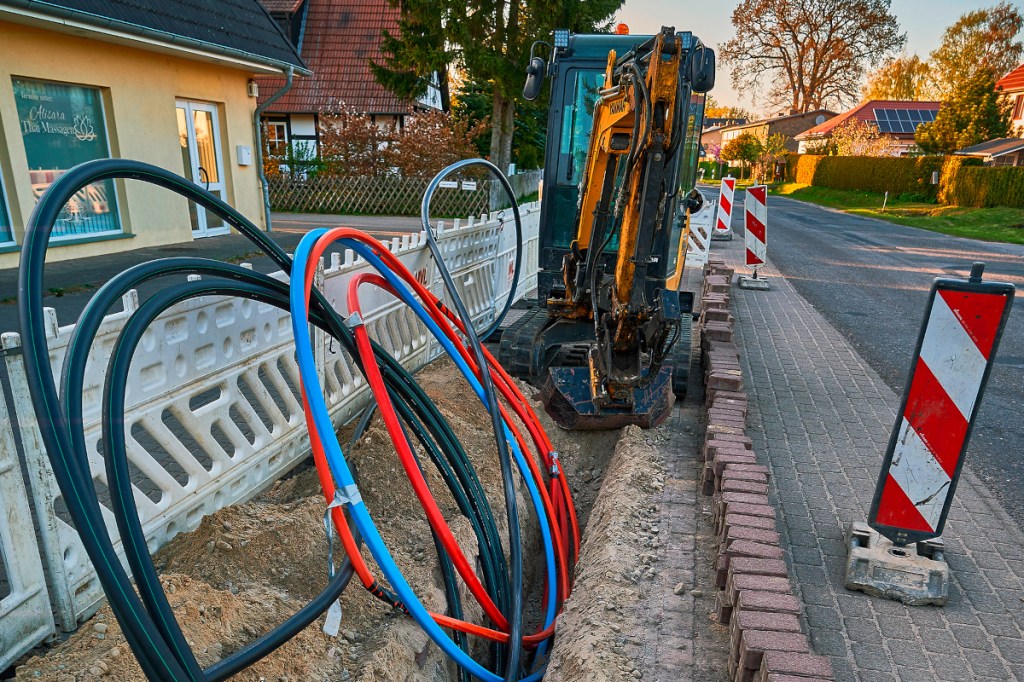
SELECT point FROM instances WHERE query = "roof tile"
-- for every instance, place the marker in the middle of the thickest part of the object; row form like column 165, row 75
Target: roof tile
column 241, row 26
column 341, row 37
column 865, row 111
column 1012, row 81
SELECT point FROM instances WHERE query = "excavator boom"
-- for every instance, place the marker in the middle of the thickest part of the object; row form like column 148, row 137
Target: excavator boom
column 602, row 348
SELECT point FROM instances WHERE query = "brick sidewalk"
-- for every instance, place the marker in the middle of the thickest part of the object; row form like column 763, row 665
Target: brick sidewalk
column 820, row 419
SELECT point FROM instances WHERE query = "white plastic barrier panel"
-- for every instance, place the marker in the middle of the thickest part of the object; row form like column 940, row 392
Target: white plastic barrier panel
column 700, row 235
column 212, row 409
column 25, row 615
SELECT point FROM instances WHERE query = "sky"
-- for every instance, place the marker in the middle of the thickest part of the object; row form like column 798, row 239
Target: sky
column 711, row 20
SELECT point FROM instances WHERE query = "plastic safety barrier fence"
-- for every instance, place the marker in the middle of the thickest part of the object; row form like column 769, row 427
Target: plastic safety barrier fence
column 25, row 616
column 212, row 406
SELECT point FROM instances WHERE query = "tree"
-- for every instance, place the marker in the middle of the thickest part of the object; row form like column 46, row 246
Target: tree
column 769, row 150
column 473, row 102
column 490, row 40
column 351, row 143
column 853, row 137
column 430, row 141
column 712, row 109
column 809, row 54
column 975, row 112
column 416, row 57
column 982, row 40
column 900, row 78
column 744, row 148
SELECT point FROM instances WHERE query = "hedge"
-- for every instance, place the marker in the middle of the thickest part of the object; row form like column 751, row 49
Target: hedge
column 710, row 166
column 905, row 175
column 984, row 187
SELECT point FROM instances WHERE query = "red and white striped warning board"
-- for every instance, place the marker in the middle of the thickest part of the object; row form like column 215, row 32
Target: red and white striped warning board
column 956, row 349
column 723, row 224
column 755, row 224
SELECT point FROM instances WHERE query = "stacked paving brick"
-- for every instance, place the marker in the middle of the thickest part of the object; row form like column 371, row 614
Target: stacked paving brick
column 755, row 600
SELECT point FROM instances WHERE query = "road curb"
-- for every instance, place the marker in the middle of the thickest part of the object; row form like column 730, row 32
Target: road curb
column 756, row 599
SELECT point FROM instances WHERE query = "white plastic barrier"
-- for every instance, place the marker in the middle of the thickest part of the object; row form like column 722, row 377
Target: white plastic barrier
column 212, row 409
column 700, row 235
column 25, row 616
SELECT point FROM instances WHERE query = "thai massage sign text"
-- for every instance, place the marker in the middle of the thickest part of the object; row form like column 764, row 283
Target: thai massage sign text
column 62, row 125
column 72, row 114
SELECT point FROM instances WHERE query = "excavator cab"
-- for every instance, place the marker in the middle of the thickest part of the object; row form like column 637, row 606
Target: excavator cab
column 609, row 347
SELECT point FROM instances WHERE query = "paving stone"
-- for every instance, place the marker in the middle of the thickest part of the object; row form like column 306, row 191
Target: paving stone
column 870, row 657
column 905, row 653
column 986, row 665
column 971, row 637
column 820, row 418
column 907, row 674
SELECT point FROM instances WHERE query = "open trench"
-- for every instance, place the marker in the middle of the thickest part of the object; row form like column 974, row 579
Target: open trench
column 249, row 566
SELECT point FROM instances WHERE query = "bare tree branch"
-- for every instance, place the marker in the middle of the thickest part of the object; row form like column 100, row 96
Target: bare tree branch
column 807, row 54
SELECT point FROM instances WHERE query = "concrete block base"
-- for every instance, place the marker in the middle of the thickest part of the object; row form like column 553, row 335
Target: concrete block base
column 914, row 575
column 717, row 236
column 758, row 283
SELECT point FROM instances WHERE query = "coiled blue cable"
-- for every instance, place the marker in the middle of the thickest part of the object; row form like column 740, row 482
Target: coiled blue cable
column 343, row 475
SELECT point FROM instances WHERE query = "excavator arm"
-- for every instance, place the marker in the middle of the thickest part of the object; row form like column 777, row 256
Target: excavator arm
column 600, row 339
column 626, row 193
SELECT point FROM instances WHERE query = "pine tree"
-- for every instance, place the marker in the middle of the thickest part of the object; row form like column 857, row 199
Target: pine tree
column 489, row 39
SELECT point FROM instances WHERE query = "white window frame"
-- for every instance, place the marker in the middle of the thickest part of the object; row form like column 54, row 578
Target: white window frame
column 56, row 239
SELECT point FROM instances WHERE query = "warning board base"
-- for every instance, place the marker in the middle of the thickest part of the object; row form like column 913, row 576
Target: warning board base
column 757, row 283
column 913, row 574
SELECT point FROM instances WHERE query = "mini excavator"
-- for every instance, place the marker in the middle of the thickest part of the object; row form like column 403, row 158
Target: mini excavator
column 608, row 338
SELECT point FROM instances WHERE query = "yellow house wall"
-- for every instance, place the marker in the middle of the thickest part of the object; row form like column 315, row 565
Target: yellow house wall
column 139, row 93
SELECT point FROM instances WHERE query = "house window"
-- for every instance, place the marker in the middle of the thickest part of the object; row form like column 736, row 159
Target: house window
column 1018, row 108
column 277, row 138
column 61, row 127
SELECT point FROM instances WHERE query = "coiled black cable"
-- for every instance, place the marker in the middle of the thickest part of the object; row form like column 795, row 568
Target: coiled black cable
column 147, row 622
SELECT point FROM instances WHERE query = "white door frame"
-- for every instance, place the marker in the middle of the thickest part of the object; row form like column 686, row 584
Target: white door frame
column 202, row 229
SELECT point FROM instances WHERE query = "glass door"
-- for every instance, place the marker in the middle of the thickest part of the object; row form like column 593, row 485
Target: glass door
column 199, row 136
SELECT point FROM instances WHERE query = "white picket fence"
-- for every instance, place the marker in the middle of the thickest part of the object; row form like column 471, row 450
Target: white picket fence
column 212, row 411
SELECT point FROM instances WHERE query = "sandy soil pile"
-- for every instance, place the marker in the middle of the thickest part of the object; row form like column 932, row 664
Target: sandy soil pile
column 248, row 567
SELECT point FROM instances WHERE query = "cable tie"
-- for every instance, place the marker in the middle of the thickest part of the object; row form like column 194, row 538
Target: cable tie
column 354, row 320
column 554, row 462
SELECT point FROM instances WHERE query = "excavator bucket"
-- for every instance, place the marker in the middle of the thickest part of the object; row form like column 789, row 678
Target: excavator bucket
column 567, row 398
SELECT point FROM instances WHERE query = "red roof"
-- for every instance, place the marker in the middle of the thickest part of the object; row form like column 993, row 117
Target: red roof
column 1012, row 81
column 341, row 36
column 865, row 111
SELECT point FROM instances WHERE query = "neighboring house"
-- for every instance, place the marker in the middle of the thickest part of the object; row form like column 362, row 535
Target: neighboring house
column 337, row 39
column 893, row 119
column 1005, row 151
column 709, row 138
column 161, row 81
column 1012, row 85
column 789, row 126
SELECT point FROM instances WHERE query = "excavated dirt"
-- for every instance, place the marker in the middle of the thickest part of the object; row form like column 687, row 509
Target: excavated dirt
column 248, row 567
column 615, row 562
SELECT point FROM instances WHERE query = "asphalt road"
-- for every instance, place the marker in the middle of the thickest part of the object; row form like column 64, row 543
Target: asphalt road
column 871, row 279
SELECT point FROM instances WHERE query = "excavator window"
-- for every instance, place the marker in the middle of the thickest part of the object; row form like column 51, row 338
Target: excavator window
column 582, row 86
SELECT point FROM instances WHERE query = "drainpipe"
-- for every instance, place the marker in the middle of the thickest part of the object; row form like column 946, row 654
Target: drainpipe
column 265, row 189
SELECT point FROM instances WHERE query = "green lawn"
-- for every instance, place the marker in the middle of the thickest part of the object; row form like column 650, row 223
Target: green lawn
column 987, row 224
